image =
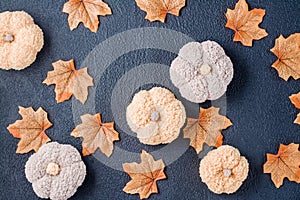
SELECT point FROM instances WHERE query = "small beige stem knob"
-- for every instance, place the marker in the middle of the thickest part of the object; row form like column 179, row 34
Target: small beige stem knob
column 53, row 169
column 204, row 69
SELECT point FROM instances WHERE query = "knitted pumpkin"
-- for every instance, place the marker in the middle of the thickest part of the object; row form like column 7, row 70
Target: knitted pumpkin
column 20, row 40
column 224, row 170
column 156, row 116
column 202, row 71
column 55, row 171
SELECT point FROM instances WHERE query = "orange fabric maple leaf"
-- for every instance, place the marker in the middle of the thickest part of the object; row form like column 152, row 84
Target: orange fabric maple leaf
column 287, row 51
column 30, row 130
column 85, row 11
column 245, row 23
column 144, row 175
column 206, row 129
column 96, row 134
column 284, row 165
column 158, row 9
column 295, row 99
column 69, row 81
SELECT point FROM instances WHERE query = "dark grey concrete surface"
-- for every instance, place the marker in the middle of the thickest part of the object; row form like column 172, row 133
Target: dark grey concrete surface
column 257, row 99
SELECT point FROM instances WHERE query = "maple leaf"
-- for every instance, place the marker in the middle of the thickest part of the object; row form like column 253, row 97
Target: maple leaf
column 96, row 134
column 245, row 23
column 69, row 81
column 85, row 11
column 295, row 99
column 158, row 9
column 284, row 165
column 30, row 130
column 144, row 175
column 288, row 54
column 206, row 129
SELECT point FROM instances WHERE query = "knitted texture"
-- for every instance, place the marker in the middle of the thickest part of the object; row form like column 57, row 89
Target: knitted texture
column 55, row 171
column 224, row 170
column 156, row 116
column 20, row 40
column 202, row 71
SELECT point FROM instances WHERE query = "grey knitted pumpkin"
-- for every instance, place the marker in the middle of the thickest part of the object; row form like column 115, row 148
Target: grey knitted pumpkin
column 55, row 171
column 202, row 71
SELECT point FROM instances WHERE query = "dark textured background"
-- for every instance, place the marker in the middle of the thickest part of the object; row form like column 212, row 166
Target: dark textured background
column 257, row 99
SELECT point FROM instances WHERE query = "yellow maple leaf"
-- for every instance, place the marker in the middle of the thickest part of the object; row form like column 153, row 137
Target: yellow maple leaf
column 245, row 23
column 287, row 51
column 85, row 11
column 295, row 99
column 158, row 9
column 69, row 81
column 285, row 164
column 96, row 134
column 206, row 129
column 31, row 129
column 144, row 175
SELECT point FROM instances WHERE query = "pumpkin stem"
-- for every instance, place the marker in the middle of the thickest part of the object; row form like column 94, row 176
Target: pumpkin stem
column 8, row 38
column 227, row 172
column 154, row 116
column 53, row 169
column 204, row 69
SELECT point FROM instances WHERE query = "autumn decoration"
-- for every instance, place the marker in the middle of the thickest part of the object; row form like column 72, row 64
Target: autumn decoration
column 144, row 175
column 206, row 129
column 156, row 116
column 69, row 81
column 86, row 11
column 157, row 10
column 31, row 130
column 224, row 170
column 295, row 99
column 202, row 71
column 96, row 134
column 285, row 164
column 20, row 40
column 245, row 23
column 287, row 51
column 55, row 171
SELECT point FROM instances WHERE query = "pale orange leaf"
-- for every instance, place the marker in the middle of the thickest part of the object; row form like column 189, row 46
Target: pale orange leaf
column 206, row 129
column 295, row 99
column 144, row 175
column 284, row 165
column 287, row 51
column 69, row 81
column 158, row 9
column 245, row 23
column 96, row 134
column 86, row 11
column 31, row 129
